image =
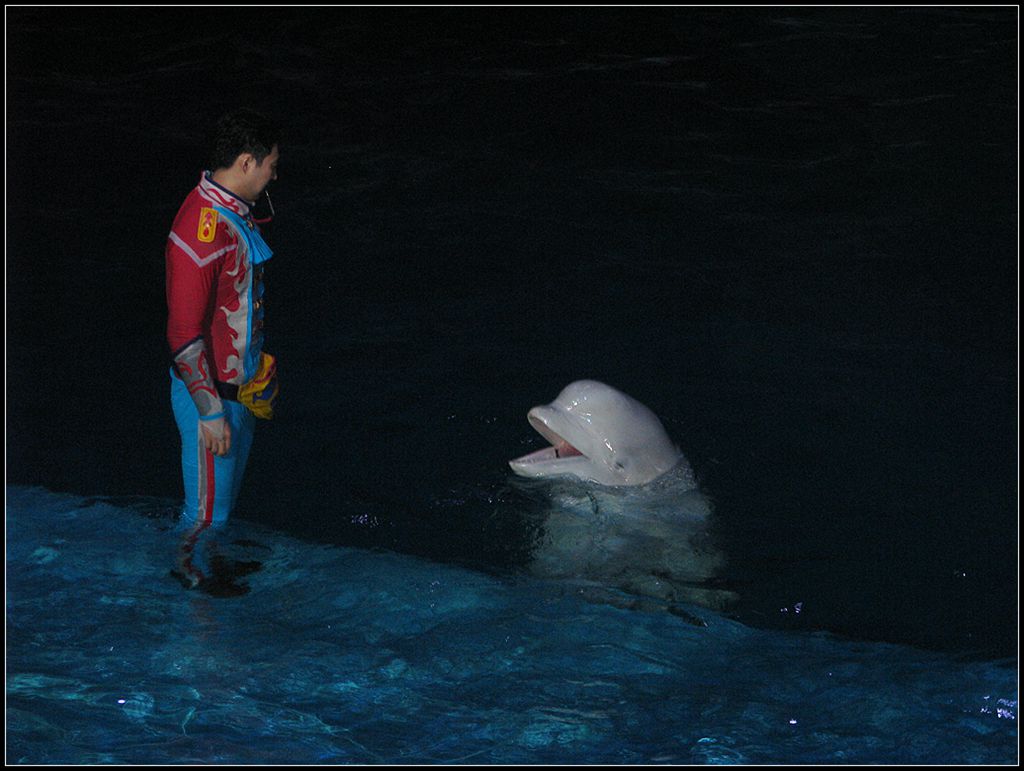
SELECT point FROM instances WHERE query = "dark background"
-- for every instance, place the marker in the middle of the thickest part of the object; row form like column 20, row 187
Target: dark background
column 792, row 232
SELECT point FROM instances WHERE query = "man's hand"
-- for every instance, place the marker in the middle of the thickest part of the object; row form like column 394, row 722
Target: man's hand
column 217, row 436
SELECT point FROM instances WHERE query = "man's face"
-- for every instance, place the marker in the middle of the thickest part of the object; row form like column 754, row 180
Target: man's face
column 260, row 175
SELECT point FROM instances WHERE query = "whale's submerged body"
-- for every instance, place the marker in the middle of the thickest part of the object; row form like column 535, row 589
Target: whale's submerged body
column 626, row 512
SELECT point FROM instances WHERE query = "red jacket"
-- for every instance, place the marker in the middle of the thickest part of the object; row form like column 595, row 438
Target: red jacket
column 214, row 296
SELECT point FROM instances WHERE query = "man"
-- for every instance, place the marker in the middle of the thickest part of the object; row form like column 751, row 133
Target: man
column 221, row 379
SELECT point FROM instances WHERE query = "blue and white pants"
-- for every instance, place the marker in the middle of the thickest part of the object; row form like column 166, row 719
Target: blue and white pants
column 212, row 482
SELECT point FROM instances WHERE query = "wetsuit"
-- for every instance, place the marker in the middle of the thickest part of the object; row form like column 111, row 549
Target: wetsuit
column 214, row 330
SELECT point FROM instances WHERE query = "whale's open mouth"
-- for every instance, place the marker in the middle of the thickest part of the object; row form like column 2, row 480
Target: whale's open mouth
column 553, row 426
column 561, row 449
column 562, row 456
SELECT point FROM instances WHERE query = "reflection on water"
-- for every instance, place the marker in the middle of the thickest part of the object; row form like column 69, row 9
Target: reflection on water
column 654, row 542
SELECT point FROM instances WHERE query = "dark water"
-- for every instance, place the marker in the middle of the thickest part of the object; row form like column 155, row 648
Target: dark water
column 791, row 232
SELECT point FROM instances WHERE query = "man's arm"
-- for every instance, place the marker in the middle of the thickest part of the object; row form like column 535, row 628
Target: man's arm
column 191, row 364
column 191, row 280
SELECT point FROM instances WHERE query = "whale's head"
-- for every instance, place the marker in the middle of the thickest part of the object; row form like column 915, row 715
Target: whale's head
column 598, row 434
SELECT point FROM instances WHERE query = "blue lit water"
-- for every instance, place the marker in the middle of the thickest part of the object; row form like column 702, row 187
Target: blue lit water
column 354, row 656
column 790, row 232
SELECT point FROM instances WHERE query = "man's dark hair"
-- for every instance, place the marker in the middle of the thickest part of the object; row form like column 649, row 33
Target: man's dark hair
column 243, row 131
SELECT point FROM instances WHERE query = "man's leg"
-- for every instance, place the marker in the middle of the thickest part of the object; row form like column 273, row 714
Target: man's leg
column 211, row 483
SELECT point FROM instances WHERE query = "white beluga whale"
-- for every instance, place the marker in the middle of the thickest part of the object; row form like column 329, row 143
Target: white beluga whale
column 598, row 434
column 625, row 514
